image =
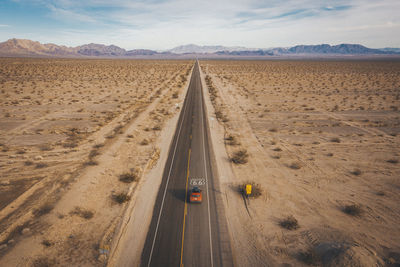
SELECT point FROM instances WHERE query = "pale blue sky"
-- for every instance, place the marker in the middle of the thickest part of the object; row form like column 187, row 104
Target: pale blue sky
column 163, row 24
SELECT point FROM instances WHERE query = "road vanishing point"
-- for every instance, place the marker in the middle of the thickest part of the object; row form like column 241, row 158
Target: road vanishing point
column 183, row 233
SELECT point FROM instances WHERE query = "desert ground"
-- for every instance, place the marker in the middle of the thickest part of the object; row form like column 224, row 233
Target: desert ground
column 319, row 141
column 76, row 137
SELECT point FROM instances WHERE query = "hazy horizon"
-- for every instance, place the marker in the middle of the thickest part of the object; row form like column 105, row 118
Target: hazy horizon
column 161, row 25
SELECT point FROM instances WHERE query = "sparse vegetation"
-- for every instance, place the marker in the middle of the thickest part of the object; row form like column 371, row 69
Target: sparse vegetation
column 43, row 262
column 393, row 161
column 128, row 177
column 289, row 223
column 240, row 156
column 84, row 213
column 310, row 257
column 295, row 165
column 121, row 197
column 335, row 140
column 352, row 209
column 43, row 209
column 356, row 172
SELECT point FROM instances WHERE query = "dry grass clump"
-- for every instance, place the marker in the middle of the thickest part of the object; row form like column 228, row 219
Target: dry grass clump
column 352, row 209
column 356, row 172
column 41, row 165
column 46, row 243
column 310, row 257
column 295, row 165
column 91, row 162
column 28, row 163
column 121, row 197
column 335, row 140
column 43, row 262
column 83, row 213
column 144, row 142
column 232, row 140
column 128, row 177
column 43, row 209
column 393, row 161
column 240, row 156
column 289, row 223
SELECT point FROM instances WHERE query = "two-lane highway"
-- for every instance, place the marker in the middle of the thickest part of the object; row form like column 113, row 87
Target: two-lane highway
column 183, row 233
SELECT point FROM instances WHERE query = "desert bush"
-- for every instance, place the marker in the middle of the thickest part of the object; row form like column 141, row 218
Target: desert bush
column 43, row 209
column 93, row 153
column 232, row 140
column 157, row 128
column 84, row 213
column 144, row 142
column 43, row 262
column 352, row 209
column 70, row 144
column 128, row 177
column 28, row 163
column 97, row 146
column 310, row 257
column 273, row 130
column 121, row 198
column 41, row 165
column 335, row 140
column 295, row 166
column 91, row 162
column 240, row 156
column 356, row 172
column 175, row 95
column 289, row 223
column 46, row 243
column 393, row 161
column 46, row 147
column 277, row 149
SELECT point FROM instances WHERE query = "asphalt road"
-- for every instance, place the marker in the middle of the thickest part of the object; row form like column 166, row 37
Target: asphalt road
column 183, row 233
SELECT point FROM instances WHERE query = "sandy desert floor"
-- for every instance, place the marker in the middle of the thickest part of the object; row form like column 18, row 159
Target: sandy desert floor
column 321, row 140
column 75, row 138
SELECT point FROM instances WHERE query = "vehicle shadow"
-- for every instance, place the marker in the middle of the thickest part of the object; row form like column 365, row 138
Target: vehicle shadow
column 180, row 194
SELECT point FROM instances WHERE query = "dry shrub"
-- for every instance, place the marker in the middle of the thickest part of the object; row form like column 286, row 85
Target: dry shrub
column 43, row 262
column 289, row 223
column 121, row 198
column 393, row 161
column 84, row 213
column 240, row 156
column 295, row 166
column 46, row 243
column 91, row 162
column 310, row 257
column 356, row 172
column 335, row 140
column 28, row 163
column 128, row 177
column 44, row 209
column 144, row 142
column 232, row 140
column 41, row 165
column 352, row 209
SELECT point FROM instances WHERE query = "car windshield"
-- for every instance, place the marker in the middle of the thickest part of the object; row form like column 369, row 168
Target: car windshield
column 196, row 190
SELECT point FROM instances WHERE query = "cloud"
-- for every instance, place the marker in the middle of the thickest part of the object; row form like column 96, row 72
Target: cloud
column 164, row 23
column 4, row 25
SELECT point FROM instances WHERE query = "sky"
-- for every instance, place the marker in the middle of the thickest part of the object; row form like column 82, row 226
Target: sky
column 164, row 24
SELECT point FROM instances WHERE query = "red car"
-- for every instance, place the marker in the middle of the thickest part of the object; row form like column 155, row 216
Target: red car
column 196, row 196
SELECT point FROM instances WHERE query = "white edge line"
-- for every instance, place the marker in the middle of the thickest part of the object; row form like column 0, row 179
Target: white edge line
column 169, row 174
column 205, row 169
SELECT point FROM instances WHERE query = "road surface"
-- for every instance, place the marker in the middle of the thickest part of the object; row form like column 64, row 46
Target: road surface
column 183, row 233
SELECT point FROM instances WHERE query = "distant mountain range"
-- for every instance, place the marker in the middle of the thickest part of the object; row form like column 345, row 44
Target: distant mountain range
column 22, row 47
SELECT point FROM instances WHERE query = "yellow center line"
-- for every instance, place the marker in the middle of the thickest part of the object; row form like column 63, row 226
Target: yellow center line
column 185, row 210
